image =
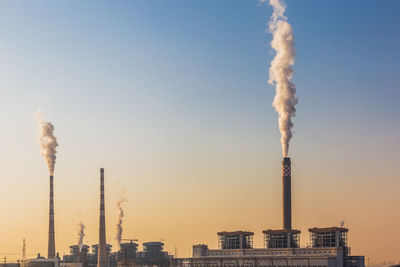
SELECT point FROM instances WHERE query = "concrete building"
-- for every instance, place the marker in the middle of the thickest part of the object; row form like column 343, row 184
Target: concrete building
column 128, row 251
column 71, row 264
column 329, row 249
column 43, row 262
column 82, row 257
column 10, row 264
column 77, row 254
column 235, row 240
column 153, row 254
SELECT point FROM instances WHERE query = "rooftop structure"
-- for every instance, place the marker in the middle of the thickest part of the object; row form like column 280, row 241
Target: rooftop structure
column 281, row 238
column 329, row 237
column 128, row 250
column 153, row 250
column 277, row 252
column 77, row 254
column 235, row 240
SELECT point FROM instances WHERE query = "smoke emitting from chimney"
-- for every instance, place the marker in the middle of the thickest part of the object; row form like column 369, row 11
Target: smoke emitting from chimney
column 281, row 72
column 81, row 235
column 120, row 216
column 48, row 142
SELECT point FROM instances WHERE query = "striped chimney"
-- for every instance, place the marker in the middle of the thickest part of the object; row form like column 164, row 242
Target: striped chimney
column 51, row 252
column 102, row 251
column 286, row 194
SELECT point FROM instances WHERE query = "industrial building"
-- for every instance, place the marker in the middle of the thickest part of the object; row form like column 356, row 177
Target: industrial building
column 81, row 256
column 329, row 249
column 281, row 246
column 153, row 254
column 328, row 246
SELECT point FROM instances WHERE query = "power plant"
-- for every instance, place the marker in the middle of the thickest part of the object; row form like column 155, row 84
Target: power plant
column 328, row 246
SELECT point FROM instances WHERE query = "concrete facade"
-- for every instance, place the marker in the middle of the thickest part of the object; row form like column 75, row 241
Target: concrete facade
column 288, row 257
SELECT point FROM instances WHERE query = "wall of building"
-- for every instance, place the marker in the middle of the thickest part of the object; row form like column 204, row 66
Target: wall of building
column 71, row 264
column 264, row 257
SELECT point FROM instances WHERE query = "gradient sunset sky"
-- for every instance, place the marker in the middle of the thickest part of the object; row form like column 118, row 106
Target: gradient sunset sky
column 171, row 98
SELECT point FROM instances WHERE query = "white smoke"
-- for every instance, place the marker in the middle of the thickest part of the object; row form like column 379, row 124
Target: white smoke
column 120, row 216
column 281, row 72
column 48, row 142
column 81, row 235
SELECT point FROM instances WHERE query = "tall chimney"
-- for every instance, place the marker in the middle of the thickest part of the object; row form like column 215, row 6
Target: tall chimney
column 51, row 252
column 286, row 194
column 102, row 250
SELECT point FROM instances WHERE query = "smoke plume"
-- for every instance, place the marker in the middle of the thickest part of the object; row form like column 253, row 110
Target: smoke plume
column 81, row 235
column 48, row 142
column 281, row 72
column 120, row 216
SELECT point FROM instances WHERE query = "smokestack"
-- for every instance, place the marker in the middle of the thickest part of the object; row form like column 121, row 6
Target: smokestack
column 286, row 194
column 51, row 252
column 102, row 251
column 23, row 253
column 48, row 144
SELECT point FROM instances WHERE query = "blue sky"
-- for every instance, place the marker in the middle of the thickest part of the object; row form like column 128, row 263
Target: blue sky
column 164, row 89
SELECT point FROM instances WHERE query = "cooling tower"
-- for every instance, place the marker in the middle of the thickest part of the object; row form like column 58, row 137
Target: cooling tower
column 102, row 252
column 51, row 252
column 286, row 194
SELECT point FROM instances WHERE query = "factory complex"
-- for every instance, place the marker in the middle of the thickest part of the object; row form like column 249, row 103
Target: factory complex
column 328, row 246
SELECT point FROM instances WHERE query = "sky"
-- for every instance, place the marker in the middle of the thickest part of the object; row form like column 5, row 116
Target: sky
column 172, row 99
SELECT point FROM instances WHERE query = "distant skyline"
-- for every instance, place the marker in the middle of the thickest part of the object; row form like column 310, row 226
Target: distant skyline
column 171, row 98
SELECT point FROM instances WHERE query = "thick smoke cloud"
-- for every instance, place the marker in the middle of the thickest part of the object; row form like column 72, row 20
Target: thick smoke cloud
column 120, row 216
column 48, row 142
column 281, row 72
column 81, row 235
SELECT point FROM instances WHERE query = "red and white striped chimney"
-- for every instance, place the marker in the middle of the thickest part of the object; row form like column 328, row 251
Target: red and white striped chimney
column 51, row 252
column 102, row 250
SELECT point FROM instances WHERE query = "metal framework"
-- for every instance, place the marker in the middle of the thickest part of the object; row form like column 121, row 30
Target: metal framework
column 281, row 238
column 235, row 240
column 328, row 237
column 153, row 250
